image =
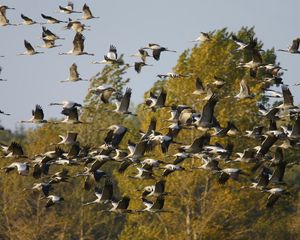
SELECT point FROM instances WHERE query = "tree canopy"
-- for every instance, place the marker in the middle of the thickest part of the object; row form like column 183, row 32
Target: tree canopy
column 197, row 205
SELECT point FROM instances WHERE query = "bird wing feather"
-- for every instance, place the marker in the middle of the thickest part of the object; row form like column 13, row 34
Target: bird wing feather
column 125, row 101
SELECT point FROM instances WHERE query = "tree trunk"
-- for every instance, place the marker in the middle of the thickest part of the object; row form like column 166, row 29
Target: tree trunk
column 64, row 232
column 9, row 230
column 164, row 226
column 188, row 223
column 37, row 220
column 81, row 220
column 207, row 186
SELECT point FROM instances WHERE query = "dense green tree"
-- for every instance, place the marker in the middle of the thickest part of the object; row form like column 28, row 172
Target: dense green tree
column 202, row 209
column 23, row 213
column 198, row 207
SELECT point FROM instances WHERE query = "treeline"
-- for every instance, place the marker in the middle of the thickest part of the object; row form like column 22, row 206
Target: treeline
column 198, row 207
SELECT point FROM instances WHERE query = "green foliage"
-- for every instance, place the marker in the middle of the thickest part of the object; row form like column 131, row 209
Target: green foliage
column 95, row 112
column 198, row 207
column 23, row 213
column 202, row 209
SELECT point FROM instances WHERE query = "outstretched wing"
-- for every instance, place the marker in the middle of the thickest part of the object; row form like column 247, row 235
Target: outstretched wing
column 295, row 45
column 208, row 109
column 272, row 199
column 112, row 54
column 124, row 105
column 27, row 19
column 288, row 98
column 87, row 14
column 199, row 85
column 160, row 186
column 28, row 46
column 78, row 42
column 38, row 113
column 244, row 88
column 161, row 99
column 107, row 192
column 267, row 144
column 73, row 71
column 156, row 54
column 159, row 203
column 123, row 203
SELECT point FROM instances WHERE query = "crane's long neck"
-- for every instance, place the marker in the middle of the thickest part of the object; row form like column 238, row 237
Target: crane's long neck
column 90, row 203
column 282, row 50
column 52, row 104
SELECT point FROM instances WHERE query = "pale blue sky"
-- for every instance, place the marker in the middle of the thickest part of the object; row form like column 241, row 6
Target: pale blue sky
column 128, row 25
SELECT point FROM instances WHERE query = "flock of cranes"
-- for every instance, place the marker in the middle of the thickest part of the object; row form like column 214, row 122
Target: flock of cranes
column 269, row 169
